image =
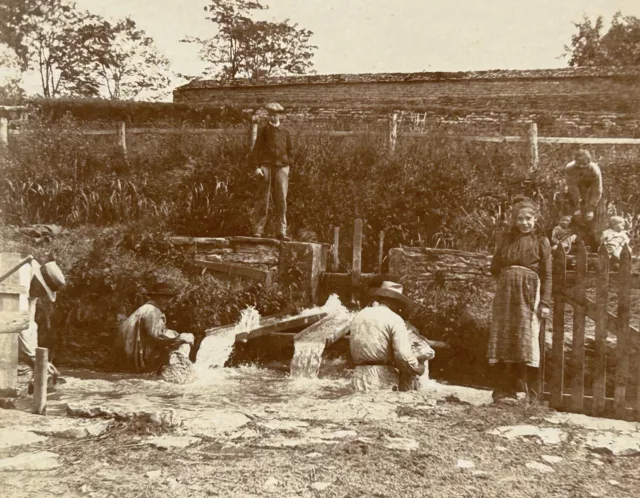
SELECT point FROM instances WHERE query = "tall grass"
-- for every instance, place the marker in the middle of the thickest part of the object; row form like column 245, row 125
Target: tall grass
column 433, row 191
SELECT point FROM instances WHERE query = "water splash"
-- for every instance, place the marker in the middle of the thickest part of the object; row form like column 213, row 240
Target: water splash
column 216, row 348
column 308, row 349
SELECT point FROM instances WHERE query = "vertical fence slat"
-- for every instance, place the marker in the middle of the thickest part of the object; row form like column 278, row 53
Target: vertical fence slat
column 335, row 252
column 393, row 132
column 380, row 251
column 602, row 298
column 533, row 146
column 623, row 345
column 557, row 366
column 356, row 268
column 579, row 319
column 122, row 137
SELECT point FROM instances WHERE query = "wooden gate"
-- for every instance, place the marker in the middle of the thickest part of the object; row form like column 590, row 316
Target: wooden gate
column 599, row 374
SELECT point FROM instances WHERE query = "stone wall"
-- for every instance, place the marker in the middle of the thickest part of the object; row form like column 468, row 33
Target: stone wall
column 562, row 102
column 296, row 265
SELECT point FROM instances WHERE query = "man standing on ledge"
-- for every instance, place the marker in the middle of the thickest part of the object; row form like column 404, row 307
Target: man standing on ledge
column 272, row 155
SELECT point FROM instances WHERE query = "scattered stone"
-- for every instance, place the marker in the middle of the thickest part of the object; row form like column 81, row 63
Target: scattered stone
column 271, row 484
column 614, row 482
column 502, row 449
column 598, row 463
column 614, row 444
column 320, row 486
column 339, row 435
column 480, row 473
column 165, row 418
column 43, row 460
column 217, row 421
column 11, row 437
column 593, row 423
column 400, row 443
column 315, row 454
column 8, row 403
column 283, row 425
column 167, row 442
column 547, row 435
column 551, row 458
column 153, row 474
column 540, row 467
column 465, row 464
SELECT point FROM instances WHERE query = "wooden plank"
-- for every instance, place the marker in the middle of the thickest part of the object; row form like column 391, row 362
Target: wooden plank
column 602, row 300
column 380, row 250
column 623, row 346
column 235, row 269
column 542, row 343
column 356, row 268
column 579, row 319
column 609, row 410
column 614, row 277
column 613, row 323
column 335, row 254
column 366, row 279
column 557, row 367
column 271, row 324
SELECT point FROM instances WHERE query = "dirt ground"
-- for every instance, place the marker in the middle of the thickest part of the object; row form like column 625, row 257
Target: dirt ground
column 259, row 433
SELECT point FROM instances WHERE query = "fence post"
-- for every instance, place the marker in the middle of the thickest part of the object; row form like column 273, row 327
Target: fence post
column 556, row 388
column 4, row 132
column 335, row 254
column 122, row 137
column 393, row 131
column 253, row 132
column 533, row 145
column 40, row 381
column 356, row 268
column 622, row 334
column 579, row 321
column 380, row 251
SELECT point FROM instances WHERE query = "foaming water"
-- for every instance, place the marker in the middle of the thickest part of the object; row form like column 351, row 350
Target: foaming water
column 216, row 348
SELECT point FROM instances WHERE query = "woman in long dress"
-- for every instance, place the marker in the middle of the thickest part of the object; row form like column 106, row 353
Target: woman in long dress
column 522, row 265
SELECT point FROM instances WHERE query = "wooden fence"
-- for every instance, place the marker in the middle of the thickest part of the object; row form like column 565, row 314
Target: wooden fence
column 579, row 382
column 531, row 138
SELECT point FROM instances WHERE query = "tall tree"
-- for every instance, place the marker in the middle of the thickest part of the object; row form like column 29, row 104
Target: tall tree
column 243, row 47
column 133, row 65
column 619, row 46
column 58, row 41
column 11, row 90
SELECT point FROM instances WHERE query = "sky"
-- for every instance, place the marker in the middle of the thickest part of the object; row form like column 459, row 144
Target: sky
column 363, row 36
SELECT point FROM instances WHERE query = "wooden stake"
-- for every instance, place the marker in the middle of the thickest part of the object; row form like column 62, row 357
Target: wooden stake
column 122, row 137
column 579, row 321
column 393, row 132
column 623, row 345
column 356, row 269
column 602, row 298
column 4, row 132
column 533, row 144
column 40, row 381
column 380, row 251
column 335, row 255
column 542, row 370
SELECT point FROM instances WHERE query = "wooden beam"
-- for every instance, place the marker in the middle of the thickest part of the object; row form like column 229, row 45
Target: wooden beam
column 556, row 385
column 613, row 322
column 380, row 251
column 272, row 324
column 609, row 410
column 335, row 252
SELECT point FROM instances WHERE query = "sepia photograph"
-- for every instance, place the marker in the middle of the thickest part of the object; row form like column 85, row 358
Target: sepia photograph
column 319, row 248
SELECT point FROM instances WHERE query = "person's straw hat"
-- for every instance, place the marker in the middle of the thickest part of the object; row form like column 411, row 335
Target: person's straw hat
column 392, row 290
column 162, row 289
column 46, row 281
column 274, row 108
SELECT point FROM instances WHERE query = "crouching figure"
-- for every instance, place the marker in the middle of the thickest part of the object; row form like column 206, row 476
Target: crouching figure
column 381, row 344
column 149, row 346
